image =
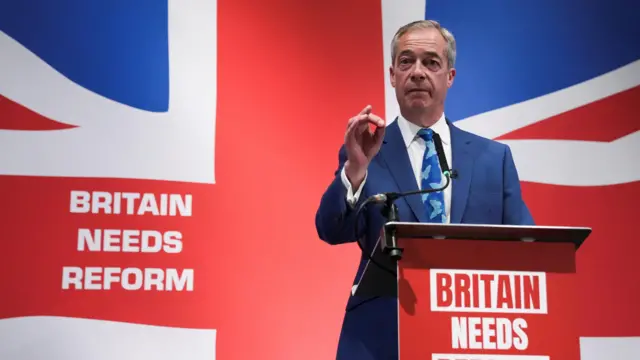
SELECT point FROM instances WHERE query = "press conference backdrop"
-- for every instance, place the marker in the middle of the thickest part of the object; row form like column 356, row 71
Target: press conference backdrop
column 162, row 161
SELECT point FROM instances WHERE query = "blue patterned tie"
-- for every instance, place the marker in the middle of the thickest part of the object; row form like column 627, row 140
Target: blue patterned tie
column 432, row 178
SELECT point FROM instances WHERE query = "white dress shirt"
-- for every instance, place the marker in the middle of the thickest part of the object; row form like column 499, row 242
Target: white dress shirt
column 415, row 148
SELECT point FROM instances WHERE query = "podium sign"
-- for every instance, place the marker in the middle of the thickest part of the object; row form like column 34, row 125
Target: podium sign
column 463, row 299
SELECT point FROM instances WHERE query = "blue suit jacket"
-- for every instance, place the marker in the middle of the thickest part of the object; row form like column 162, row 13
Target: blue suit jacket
column 486, row 191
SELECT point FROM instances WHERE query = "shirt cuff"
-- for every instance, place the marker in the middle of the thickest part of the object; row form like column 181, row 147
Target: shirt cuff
column 352, row 199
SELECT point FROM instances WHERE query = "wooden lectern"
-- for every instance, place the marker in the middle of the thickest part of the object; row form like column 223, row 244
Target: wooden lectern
column 479, row 291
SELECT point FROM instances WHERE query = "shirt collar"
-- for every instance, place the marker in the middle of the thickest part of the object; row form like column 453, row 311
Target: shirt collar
column 410, row 130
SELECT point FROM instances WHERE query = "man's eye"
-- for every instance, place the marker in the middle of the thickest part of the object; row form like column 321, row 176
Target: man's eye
column 433, row 64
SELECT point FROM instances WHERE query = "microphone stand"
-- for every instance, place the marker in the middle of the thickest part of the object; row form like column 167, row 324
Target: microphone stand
column 390, row 212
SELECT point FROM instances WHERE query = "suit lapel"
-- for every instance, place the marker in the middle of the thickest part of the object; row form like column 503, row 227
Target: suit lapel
column 394, row 153
column 462, row 159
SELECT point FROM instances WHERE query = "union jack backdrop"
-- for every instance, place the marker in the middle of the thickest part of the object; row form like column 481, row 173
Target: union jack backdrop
column 161, row 163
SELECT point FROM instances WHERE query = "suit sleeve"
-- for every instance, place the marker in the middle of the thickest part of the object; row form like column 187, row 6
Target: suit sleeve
column 335, row 217
column 516, row 211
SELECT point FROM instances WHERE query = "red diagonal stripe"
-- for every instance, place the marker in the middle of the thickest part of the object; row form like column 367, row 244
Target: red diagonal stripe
column 604, row 120
column 14, row 116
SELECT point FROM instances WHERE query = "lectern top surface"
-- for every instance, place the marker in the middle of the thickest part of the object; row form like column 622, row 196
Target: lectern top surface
column 555, row 234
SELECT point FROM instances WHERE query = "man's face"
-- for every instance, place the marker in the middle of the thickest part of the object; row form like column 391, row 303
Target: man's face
column 420, row 72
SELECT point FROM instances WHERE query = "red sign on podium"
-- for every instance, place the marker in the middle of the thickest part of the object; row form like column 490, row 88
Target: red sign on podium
column 481, row 300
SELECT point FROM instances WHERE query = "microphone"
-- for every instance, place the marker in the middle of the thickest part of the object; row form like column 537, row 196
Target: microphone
column 444, row 166
column 389, row 197
column 390, row 210
column 442, row 158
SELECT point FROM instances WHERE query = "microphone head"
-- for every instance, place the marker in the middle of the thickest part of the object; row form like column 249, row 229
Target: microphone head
column 384, row 198
column 378, row 198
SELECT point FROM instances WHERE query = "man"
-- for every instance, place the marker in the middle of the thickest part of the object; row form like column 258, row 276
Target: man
column 401, row 157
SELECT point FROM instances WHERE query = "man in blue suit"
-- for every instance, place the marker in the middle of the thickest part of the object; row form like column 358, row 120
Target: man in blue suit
column 400, row 158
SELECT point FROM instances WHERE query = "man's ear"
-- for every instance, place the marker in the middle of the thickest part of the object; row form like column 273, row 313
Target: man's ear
column 452, row 75
column 392, row 76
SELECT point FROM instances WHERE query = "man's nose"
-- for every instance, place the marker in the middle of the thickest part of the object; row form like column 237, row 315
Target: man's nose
column 419, row 72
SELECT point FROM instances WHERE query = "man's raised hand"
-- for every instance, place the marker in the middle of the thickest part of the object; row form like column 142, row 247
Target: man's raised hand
column 362, row 144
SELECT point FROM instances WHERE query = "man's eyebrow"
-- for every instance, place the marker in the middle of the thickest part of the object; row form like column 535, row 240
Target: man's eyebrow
column 429, row 53
column 433, row 54
column 406, row 52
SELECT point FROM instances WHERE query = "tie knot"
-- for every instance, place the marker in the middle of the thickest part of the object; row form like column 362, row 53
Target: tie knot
column 426, row 134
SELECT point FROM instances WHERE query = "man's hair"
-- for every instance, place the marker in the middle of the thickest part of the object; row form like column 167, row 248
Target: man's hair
column 450, row 50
